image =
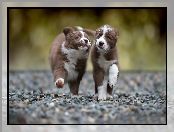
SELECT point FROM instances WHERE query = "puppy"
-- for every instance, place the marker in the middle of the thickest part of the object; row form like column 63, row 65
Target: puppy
column 68, row 57
column 105, row 61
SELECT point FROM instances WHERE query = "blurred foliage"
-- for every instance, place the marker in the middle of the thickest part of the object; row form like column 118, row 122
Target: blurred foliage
column 141, row 44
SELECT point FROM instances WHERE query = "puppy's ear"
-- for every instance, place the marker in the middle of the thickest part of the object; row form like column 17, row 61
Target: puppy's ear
column 67, row 30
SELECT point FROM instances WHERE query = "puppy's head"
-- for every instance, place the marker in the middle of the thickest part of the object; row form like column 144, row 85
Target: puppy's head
column 77, row 39
column 106, row 38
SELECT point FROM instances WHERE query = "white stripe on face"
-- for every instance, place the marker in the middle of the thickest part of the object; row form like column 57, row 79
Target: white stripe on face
column 83, row 38
column 102, row 39
column 83, row 34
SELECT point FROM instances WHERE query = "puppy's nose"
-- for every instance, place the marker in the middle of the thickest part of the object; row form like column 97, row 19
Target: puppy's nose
column 86, row 41
column 101, row 43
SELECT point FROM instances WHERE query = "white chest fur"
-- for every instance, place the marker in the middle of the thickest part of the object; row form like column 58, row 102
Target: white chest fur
column 104, row 64
column 72, row 56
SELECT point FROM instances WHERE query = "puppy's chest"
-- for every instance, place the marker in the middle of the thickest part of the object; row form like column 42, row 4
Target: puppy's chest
column 105, row 64
column 72, row 65
column 71, row 72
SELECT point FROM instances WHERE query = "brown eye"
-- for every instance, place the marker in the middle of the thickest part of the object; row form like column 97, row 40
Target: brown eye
column 99, row 34
column 109, row 37
column 77, row 37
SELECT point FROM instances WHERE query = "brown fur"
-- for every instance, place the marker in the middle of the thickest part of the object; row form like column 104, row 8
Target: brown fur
column 57, row 58
column 98, row 72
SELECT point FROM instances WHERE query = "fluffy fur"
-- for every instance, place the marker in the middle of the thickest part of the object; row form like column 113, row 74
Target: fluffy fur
column 68, row 56
column 105, row 61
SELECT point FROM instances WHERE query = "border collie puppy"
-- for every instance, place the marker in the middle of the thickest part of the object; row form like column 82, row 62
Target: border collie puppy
column 68, row 57
column 105, row 61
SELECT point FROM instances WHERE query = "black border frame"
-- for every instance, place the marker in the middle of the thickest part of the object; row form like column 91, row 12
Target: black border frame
column 8, row 8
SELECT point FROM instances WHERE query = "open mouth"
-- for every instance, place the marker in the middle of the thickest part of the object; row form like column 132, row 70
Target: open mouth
column 84, row 48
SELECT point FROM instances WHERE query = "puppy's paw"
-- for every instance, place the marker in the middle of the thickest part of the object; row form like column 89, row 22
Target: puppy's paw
column 95, row 96
column 102, row 96
column 75, row 96
column 109, row 96
column 59, row 83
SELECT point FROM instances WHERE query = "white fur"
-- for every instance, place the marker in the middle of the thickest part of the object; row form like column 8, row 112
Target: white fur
column 102, row 39
column 59, row 79
column 102, row 91
column 113, row 74
column 104, row 64
column 83, row 35
column 109, row 96
column 83, row 38
column 84, row 48
column 72, row 55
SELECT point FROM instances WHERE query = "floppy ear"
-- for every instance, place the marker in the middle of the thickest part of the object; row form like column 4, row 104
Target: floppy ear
column 67, row 30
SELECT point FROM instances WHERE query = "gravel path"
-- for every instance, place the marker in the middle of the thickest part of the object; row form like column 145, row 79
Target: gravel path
column 140, row 98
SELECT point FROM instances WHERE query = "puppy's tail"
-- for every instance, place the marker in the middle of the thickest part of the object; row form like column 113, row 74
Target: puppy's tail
column 90, row 32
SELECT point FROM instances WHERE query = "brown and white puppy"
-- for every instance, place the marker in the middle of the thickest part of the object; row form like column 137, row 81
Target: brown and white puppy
column 68, row 57
column 105, row 61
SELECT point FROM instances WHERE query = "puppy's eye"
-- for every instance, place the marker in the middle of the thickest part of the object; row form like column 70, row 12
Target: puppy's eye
column 99, row 34
column 110, row 37
column 77, row 37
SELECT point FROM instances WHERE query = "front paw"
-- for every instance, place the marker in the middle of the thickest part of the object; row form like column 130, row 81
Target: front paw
column 102, row 96
column 59, row 83
column 75, row 96
column 109, row 96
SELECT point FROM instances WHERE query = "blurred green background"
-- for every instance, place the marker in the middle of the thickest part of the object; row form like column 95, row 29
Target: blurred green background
column 141, row 44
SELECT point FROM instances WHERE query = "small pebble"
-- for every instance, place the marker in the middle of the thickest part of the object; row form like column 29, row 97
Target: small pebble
column 139, row 98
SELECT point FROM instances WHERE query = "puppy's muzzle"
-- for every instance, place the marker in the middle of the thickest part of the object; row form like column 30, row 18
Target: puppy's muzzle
column 101, row 44
column 86, row 41
column 85, row 44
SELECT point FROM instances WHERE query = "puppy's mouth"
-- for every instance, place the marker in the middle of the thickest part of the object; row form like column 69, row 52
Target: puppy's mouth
column 102, row 49
column 84, row 46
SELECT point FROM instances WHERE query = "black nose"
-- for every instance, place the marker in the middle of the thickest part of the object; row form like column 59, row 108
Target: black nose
column 101, row 43
column 86, row 41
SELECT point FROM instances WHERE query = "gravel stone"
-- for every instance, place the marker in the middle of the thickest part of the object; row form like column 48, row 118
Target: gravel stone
column 140, row 98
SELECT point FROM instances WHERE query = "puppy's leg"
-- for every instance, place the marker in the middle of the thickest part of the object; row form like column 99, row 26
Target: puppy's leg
column 109, row 91
column 59, row 76
column 100, row 87
column 74, row 87
column 113, row 75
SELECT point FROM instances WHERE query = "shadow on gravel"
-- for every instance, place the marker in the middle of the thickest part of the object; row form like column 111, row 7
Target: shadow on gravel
column 140, row 98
